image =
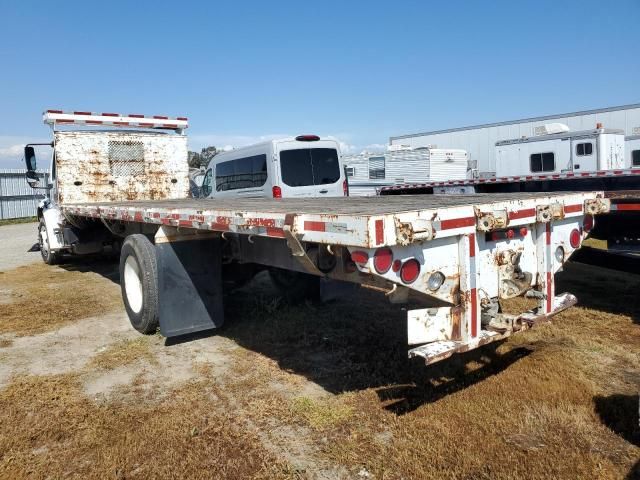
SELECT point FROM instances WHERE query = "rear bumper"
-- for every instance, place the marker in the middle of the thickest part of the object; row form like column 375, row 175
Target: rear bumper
column 435, row 351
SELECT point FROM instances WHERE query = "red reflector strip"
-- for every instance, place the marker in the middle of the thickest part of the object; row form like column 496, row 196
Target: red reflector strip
column 525, row 213
column 182, row 118
column 54, row 111
column 120, row 123
column 573, row 208
column 472, row 245
column 82, row 113
column 170, row 125
column 314, row 226
column 457, row 223
column 160, row 117
column 625, row 206
column 64, row 121
column 135, row 115
column 474, row 312
column 110, row 114
column 379, row 232
column 145, row 124
column 275, row 232
column 93, row 122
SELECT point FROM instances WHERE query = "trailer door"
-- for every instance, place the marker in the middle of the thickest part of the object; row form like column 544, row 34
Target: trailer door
column 584, row 154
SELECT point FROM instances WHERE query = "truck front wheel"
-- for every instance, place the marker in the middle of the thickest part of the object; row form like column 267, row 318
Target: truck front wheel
column 139, row 282
column 49, row 257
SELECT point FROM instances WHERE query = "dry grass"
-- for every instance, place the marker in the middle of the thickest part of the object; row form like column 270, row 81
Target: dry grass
column 559, row 401
column 327, row 391
column 123, row 353
column 44, row 298
column 321, row 415
column 50, row 430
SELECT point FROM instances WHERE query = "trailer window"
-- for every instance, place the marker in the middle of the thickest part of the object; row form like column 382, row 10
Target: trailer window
column 303, row 167
column 376, row 168
column 584, row 149
column 247, row 172
column 543, row 162
column 635, row 158
column 350, row 171
column 126, row 159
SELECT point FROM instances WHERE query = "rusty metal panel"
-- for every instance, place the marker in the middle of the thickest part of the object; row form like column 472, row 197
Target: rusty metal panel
column 111, row 166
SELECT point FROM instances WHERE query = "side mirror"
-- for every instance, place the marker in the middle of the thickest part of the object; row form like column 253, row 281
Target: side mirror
column 30, row 158
column 32, row 178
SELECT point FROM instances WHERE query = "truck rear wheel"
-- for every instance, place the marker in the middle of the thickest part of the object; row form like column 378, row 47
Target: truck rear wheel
column 139, row 282
column 49, row 257
column 295, row 287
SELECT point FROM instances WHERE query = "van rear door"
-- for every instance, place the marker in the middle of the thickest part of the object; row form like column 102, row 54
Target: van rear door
column 309, row 169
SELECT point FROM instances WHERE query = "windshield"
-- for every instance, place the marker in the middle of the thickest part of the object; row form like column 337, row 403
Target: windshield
column 309, row 166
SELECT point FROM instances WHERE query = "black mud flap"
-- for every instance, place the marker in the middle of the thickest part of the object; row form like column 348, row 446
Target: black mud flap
column 189, row 286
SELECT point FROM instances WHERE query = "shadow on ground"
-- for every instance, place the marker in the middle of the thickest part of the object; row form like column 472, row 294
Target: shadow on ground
column 595, row 286
column 359, row 342
column 620, row 414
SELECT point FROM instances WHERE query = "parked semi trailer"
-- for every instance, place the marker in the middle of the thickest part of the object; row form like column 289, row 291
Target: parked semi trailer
column 458, row 256
column 556, row 161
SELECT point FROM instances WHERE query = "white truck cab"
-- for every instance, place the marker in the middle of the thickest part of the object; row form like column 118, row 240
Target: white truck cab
column 304, row 166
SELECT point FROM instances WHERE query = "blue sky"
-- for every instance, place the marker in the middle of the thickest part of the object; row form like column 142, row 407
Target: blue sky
column 361, row 71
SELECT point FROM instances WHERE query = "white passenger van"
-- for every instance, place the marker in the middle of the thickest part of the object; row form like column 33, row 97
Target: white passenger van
column 304, row 166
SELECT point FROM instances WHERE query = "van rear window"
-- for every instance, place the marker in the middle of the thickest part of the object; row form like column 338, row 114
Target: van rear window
column 309, row 166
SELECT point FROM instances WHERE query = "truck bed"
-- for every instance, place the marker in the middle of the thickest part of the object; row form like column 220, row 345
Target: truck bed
column 358, row 221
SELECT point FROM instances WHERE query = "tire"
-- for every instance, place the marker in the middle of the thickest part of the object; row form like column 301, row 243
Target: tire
column 139, row 283
column 295, row 287
column 49, row 257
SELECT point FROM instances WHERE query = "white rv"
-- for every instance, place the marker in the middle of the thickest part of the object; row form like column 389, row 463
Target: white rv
column 558, row 150
column 632, row 153
column 369, row 172
column 304, row 166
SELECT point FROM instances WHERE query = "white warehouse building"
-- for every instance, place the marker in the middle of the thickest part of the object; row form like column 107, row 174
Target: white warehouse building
column 480, row 140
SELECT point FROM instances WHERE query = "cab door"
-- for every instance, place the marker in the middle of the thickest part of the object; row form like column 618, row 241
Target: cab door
column 584, row 154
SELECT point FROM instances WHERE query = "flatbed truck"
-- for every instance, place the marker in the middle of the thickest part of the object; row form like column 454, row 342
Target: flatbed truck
column 457, row 256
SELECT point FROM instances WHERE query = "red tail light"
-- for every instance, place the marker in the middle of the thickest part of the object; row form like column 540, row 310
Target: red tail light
column 382, row 260
column 587, row 224
column 307, row 138
column 359, row 257
column 574, row 238
column 345, row 188
column 276, row 191
column 410, row 270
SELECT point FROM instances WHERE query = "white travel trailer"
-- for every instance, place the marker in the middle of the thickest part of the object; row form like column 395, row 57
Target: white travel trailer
column 304, row 166
column 558, row 150
column 632, row 153
column 369, row 172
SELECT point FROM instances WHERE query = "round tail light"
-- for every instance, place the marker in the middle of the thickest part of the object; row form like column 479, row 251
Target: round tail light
column 410, row 270
column 574, row 238
column 359, row 257
column 382, row 260
column 587, row 224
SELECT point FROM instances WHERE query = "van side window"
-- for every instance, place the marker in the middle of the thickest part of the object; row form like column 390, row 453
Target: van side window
column 584, row 149
column 543, row 162
column 635, row 158
column 206, row 183
column 376, row 168
column 247, row 172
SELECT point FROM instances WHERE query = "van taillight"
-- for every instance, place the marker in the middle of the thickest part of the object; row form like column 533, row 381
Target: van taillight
column 345, row 188
column 276, row 191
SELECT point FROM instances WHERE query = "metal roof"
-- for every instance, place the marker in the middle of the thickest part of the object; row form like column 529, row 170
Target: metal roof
column 522, row 120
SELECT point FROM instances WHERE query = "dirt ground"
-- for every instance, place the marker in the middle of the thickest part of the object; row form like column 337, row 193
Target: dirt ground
column 309, row 391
